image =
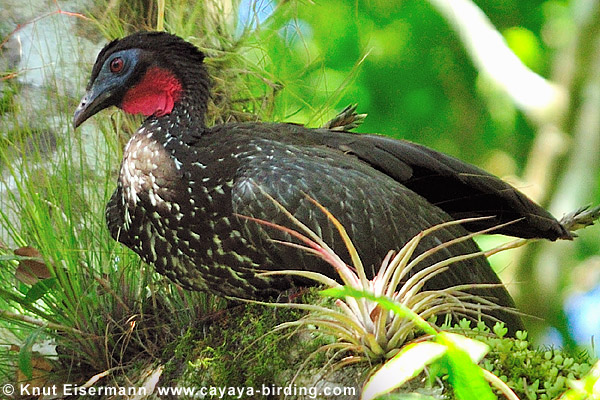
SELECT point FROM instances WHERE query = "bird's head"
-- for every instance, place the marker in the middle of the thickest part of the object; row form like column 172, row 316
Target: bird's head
column 145, row 73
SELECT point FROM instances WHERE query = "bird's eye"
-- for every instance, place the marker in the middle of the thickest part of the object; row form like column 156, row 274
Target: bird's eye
column 116, row 65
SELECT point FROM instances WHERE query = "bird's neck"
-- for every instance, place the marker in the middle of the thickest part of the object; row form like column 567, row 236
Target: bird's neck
column 190, row 111
column 187, row 117
column 189, row 92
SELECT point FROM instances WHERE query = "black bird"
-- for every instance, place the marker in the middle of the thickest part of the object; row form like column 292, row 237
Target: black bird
column 183, row 185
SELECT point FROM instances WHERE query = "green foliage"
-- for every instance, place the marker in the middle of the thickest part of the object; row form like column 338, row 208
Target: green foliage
column 7, row 98
column 525, row 45
column 464, row 374
column 410, row 361
column 397, row 308
column 416, row 81
column 532, row 372
column 93, row 298
column 100, row 304
column 514, row 363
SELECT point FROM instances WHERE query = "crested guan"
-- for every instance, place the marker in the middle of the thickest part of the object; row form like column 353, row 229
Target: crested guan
column 183, row 186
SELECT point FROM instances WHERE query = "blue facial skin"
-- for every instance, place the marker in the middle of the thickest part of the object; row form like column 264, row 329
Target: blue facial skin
column 108, row 88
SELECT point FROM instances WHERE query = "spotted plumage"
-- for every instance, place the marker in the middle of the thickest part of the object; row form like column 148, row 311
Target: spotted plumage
column 183, row 186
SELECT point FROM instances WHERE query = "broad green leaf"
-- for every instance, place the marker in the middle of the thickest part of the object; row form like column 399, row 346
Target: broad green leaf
column 405, row 365
column 39, row 289
column 474, row 348
column 465, row 376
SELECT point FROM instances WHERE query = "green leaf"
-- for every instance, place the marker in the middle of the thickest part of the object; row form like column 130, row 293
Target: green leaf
column 521, row 335
column 500, row 330
column 474, row 348
column 25, row 354
column 465, row 376
column 38, row 290
column 525, row 45
column 405, row 365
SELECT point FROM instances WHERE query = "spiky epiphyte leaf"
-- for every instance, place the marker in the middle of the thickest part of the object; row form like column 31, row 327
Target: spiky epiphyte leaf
column 375, row 317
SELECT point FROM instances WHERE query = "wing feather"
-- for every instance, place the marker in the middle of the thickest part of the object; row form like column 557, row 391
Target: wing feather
column 379, row 214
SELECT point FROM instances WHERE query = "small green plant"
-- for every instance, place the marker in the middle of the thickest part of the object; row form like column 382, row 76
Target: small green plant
column 532, row 373
column 381, row 332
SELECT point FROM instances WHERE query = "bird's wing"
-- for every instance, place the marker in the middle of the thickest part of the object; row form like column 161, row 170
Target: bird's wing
column 460, row 189
column 378, row 213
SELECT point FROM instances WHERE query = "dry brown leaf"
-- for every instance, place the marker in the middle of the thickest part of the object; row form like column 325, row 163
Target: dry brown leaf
column 32, row 270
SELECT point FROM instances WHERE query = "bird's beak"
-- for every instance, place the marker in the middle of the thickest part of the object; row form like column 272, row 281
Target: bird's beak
column 95, row 100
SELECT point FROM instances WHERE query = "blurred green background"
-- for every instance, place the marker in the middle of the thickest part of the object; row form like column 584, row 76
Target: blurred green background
column 416, row 81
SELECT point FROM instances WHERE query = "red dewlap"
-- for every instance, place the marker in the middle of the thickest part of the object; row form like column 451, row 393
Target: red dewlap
column 156, row 94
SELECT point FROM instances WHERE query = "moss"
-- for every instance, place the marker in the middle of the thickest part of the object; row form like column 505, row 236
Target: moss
column 532, row 372
column 240, row 347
